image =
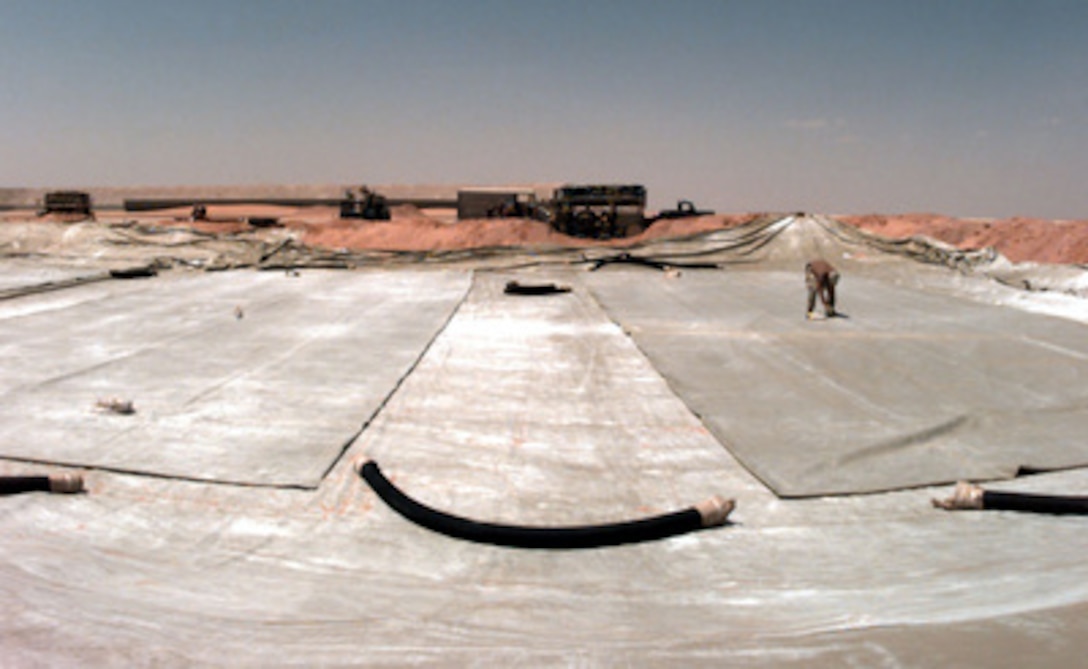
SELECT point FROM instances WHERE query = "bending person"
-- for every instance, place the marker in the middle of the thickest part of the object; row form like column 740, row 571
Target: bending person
column 820, row 278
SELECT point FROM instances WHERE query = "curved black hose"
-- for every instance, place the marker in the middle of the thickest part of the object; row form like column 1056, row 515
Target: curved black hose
column 649, row 262
column 708, row 514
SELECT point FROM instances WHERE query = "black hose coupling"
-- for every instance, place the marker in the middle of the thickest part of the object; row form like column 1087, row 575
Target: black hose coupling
column 968, row 496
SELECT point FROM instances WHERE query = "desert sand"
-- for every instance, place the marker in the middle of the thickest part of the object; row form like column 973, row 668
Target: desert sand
column 1020, row 239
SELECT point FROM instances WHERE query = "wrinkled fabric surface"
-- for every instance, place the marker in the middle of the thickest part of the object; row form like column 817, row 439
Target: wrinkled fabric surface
column 212, row 366
column 905, row 388
column 544, row 410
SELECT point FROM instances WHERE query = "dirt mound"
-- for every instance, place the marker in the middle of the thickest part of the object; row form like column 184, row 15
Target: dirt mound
column 234, row 218
column 414, row 230
column 65, row 217
column 683, row 227
column 1018, row 239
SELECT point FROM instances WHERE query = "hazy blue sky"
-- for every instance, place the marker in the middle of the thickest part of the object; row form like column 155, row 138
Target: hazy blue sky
column 967, row 107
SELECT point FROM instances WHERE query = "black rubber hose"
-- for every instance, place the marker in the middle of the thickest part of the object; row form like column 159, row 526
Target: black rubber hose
column 969, row 496
column 62, row 483
column 134, row 272
column 650, row 262
column 1009, row 501
column 711, row 513
column 516, row 288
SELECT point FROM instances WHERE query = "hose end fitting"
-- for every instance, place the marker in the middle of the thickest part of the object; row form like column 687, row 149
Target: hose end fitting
column 966, row 496
column 715, row 510
column 66, row 483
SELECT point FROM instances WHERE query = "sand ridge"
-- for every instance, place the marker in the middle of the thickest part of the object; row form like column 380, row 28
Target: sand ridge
column 1020, row 239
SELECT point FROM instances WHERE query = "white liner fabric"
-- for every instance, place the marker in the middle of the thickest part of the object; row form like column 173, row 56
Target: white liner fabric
column 212, row 365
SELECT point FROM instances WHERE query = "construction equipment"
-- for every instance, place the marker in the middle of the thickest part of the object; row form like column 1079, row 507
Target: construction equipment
column 598, row 211
column 68, row 202
column 684, row 209
column 594, row 211
column 368, row 205
column 497, row 202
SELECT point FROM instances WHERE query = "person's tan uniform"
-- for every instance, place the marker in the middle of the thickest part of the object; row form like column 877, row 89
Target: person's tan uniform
column 820, row 278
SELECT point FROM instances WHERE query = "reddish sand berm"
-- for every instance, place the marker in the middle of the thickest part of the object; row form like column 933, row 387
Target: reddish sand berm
column 1018, row 239
column 411, row 229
